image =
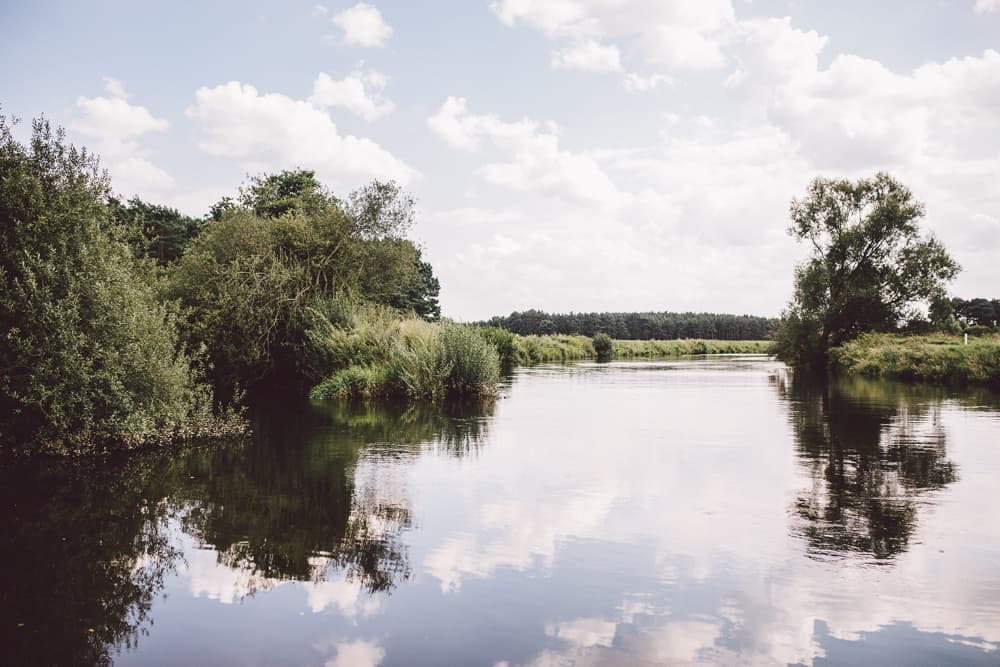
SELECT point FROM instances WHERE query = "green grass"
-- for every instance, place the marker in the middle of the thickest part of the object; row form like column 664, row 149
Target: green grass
column 375, row 352
column 932, row 358
column 540, row 349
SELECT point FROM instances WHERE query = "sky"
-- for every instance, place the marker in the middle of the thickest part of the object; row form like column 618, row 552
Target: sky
column 566, row 155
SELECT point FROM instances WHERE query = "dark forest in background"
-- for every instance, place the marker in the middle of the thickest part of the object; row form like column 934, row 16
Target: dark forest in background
column 639, row 326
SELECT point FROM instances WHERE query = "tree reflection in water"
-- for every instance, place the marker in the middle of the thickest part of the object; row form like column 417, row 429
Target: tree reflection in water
column 874, row 452
column 289, row 507
column 84, row 554
column 88, row 545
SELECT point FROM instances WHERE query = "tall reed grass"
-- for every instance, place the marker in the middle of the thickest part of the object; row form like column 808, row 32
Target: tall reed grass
column 373, row 352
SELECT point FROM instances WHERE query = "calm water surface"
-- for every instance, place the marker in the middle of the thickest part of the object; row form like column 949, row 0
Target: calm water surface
column 716, row 511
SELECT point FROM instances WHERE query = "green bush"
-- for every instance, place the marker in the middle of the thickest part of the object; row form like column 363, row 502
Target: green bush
column 474, row 364
column 978, row 330
column 253, row 280
column 504, row 342
column 603, row 346
column 90, row 357
column 374, row 351
column 354, row 382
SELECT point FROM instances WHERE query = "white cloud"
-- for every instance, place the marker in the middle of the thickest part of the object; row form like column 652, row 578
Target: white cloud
column 320, row 10
column 533, row 160
column 987, row 6
column 363, row 25
column 673, row 34
column 772, row 51
column 588, row 56
column 358, row 653
column 698, row 191
column 273, row 131
column 114, row 127
column 637, row 83
column 113, row 117
column 360, row 92
column 859, row 114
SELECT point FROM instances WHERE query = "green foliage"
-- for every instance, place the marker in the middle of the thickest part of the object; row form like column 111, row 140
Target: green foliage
column 545, row 349
column 354, row 382
column 474, row 364
column 372, row 351
column 419, row 365
column 638, row 326
column 984, row 312
column 504, row 342
column 420, row 294
column 631, row 349
column 90, row 357
column 603, row 346
column 282, row 251
column 869, row 267
column 157, row 232
column 927, row 358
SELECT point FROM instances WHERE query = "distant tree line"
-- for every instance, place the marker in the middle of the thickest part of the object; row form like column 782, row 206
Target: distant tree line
column 638, row 326
column 978, row 311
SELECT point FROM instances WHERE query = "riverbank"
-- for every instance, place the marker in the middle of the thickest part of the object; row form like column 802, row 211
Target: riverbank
column 543, row 349
column 376, row 353
column 937, row 358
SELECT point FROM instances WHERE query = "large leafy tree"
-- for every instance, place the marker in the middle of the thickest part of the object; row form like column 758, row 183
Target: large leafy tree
column 88, row 355
column 286, row 247
column 156, row 231
column 869, row 268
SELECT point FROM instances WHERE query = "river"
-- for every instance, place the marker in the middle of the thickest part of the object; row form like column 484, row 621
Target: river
column 703, row 511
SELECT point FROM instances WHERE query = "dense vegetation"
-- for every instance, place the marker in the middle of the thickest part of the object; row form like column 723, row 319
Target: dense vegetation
column 518, row 350
column 90, row 358
column 376, row 353
column 870, row 269
column 124, row 322
column 283, row 253
column 978, row 312
column 638, row 326
column 933, row 358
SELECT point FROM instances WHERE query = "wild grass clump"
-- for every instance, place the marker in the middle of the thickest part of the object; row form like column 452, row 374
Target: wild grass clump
column 472, row 362
column 377, row 353
column 933, row 358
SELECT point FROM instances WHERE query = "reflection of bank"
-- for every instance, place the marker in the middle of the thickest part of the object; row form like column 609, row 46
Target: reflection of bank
column 304, row 500
column 84, row 552
column 88, row 544
column 873, row 451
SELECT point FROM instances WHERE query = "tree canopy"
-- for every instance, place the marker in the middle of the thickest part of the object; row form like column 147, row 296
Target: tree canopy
column 286, row 247
column 89, row 356
column 869, row 268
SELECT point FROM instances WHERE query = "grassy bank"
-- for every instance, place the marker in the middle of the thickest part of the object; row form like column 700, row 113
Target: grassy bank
column 932, row 358
column 526, row 350
column 367, row 351
column 371, row 351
